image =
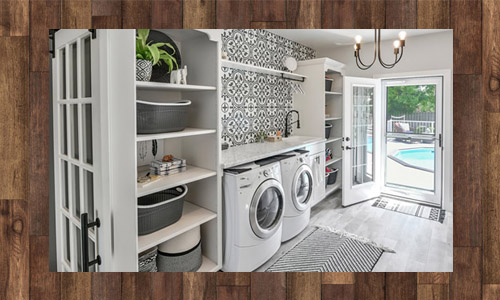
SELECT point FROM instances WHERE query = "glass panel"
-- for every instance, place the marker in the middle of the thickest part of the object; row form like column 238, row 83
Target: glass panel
column 92, row 254
column 74, row 72
column 64, row 130
column 86, row 69
column 78, row 248
column 362, row 135
column 62, row 72
column 410, row 126
column 67, row 242
column 303, row 186
column 268, row 208
column 76, row 191
column 87, row 133
column 88, row 191
column 64, row 185
column 73, row 113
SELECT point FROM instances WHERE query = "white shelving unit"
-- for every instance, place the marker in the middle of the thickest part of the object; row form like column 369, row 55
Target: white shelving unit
column 247, row 67
column 319, row 102
column 178, row 134
column 147, row 85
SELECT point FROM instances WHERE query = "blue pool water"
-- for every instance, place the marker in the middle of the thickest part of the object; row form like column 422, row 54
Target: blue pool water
column 421, row 158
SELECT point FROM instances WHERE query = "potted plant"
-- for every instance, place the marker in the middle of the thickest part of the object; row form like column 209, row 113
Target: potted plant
column 149, row 54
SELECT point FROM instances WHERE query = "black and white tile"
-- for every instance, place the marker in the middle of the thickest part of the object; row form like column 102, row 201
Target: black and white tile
column 253, row 102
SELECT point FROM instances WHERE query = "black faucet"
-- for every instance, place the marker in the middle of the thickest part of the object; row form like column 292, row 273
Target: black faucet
column 288, row 116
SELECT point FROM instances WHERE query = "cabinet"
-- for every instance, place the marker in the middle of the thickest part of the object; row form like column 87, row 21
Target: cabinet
column 121, row 155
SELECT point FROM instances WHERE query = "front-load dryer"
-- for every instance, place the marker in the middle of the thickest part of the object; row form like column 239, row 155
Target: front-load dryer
column 253, row 213
column 297, row 179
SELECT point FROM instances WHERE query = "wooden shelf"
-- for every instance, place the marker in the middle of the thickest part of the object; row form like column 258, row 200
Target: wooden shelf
column 208, row 265
column 332, row 118
column 332, row 188
column 165, row 182
column 247, row 67
column 170, row 135
column 333, row 93
column 148, row 85
column 333, row 139
column 192, row 216
column 332, row 161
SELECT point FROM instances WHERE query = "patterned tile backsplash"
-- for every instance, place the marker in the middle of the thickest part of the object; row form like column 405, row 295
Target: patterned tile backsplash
column 254, row 102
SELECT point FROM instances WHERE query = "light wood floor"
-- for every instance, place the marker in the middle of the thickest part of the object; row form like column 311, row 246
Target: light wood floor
column 421, row 245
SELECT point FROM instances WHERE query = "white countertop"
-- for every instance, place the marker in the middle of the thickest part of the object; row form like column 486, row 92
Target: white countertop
column 251, row 152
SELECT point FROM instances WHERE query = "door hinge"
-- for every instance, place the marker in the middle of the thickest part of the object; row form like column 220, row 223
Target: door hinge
column 52, row 38
column 94, row 33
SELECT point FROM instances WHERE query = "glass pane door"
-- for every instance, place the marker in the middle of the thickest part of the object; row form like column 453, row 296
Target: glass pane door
column 362, row 135
column 413, row 137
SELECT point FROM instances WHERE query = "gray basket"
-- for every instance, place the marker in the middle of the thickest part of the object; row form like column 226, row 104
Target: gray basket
column 189, row 261
column 161, row 209
column 155, row 117
column 147, row 261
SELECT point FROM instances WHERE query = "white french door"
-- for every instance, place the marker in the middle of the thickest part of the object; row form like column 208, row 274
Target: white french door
column 78, row 164
column 412, row 149
column 362, row 139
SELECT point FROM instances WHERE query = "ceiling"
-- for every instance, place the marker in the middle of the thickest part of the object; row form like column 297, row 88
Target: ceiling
column 332, row 38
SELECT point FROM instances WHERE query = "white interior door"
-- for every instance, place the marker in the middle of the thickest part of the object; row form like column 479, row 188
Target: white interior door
column 78, row 164
column 362, row 140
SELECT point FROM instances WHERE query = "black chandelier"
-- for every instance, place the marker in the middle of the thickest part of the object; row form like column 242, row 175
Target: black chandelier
column 398, row 51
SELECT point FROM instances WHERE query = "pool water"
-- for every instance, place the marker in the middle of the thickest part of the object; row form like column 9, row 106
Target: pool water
column 421, row 158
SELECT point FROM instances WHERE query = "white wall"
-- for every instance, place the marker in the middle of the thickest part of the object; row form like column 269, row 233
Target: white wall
column 422, row 53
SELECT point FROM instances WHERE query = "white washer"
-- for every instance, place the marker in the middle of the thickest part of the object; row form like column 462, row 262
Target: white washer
column 253, row 214
column 298, row 185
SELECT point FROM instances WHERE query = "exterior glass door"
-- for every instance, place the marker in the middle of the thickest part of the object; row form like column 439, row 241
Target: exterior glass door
column 413, row 138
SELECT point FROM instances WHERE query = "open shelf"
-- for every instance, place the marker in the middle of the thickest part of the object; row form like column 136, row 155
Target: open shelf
column 333, row 93
column 192, row 216
column 165, row 182
column 333, row 160
column 333, row 139
column 332, row 188
column 170, row 135
column 149, row 85
column 247, row 67
column 208, row 265
column 332, row 118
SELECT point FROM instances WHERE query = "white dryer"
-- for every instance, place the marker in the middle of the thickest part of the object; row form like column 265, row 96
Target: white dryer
column 297, row 179
column 253, row 213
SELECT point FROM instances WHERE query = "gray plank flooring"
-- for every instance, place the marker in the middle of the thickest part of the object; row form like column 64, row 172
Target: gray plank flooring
column 421, row 245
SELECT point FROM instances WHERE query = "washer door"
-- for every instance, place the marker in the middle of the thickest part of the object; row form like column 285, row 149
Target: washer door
column 266, row 209
column 302, row 187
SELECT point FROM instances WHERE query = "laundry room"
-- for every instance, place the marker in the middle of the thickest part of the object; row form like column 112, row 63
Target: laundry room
column 251, row 150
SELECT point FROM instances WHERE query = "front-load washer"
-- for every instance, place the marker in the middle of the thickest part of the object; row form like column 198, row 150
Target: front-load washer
column 253, row 213
column 297, row 179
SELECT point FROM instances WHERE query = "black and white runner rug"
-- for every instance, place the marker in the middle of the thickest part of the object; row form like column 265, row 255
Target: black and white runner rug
column 329, row 250
column 422, row 211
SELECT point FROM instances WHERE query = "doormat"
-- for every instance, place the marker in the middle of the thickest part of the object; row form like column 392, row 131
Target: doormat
column 413, row 209
column 329, row 250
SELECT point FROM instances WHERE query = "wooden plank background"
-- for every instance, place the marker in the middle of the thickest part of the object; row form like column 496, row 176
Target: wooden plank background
column 24, row 109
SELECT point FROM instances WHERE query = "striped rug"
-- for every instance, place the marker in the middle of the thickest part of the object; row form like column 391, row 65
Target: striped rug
column 422, row 211
column 326, row 251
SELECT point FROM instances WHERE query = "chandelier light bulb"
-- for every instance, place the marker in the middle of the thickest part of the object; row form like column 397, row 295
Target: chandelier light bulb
column 358, row 39
column 402, row 35
column 396, row 44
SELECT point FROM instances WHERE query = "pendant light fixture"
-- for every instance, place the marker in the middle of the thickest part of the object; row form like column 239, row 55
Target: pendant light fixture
column 398, row 51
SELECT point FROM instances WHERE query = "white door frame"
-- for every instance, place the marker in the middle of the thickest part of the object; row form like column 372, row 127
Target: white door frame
column 447, row 107
column 361, row 192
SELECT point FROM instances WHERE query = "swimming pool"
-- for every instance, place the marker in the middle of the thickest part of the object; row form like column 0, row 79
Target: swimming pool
column 419, row 158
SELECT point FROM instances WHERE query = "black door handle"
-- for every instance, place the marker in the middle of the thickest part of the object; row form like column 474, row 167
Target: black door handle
column 85, row 225
column 346, row 148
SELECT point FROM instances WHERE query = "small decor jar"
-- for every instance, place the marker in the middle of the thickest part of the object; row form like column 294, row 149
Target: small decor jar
column 143, row 70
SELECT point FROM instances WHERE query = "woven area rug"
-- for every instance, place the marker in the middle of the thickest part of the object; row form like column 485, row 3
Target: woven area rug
column 328, row 250
column 413, row 209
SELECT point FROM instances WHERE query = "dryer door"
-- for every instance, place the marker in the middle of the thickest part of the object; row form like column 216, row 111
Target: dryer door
column 266, row 209
column 302, row 187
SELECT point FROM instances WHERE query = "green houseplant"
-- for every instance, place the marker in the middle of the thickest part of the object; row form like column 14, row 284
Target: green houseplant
column 149, row 54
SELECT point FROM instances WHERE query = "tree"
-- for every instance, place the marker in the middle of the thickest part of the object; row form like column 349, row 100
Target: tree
column 405, row 100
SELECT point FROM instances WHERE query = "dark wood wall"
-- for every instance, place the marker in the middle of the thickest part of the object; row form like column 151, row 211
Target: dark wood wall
column 24, row 131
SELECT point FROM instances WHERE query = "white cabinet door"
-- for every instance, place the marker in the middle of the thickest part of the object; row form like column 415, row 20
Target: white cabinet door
column 78, row 163
column 362, row 140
